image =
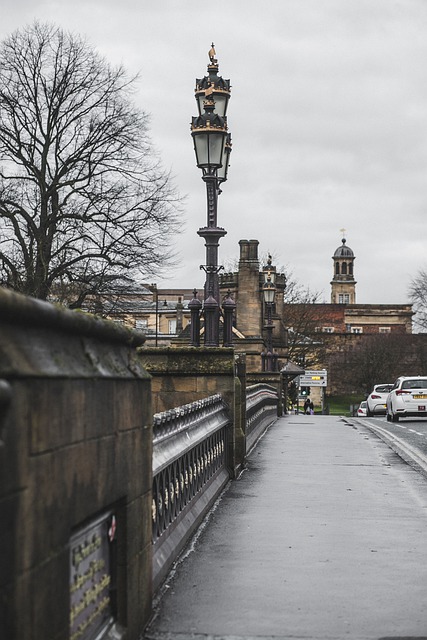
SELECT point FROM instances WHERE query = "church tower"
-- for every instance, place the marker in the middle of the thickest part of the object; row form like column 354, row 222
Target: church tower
column 343, row 282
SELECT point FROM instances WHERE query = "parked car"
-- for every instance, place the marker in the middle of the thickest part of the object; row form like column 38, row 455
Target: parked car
column 362, row 409
column 377, row 399
column 408, row 398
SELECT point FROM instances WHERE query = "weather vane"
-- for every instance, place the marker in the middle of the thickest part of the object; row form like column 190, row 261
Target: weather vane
column 212, row 55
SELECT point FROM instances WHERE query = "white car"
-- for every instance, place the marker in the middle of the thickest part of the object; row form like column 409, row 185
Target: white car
column 408, row 398
column 362, row 409
column 376, row 401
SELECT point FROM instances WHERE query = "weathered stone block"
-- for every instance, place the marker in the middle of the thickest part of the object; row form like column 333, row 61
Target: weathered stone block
column 56, row 418
column 75, row 440
column 127, row 407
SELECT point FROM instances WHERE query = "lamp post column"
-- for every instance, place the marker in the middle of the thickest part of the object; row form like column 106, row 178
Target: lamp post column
column 212, row 235
column 269, row 327
column 212, row 146
column 228, row 307
column 195, row 306
column 269, row 359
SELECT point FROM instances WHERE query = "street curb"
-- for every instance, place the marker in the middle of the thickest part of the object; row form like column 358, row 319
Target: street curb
column 409, row 454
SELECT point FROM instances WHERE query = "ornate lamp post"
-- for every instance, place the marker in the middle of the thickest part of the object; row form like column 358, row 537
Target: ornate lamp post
column 212, row 146
column 154, row 290
column 269, row 359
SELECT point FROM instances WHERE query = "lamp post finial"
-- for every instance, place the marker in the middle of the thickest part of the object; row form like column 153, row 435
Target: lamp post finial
column 212, row 55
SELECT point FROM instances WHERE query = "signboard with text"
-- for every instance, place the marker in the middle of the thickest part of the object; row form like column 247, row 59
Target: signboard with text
column 314, row 378
column 90, row 578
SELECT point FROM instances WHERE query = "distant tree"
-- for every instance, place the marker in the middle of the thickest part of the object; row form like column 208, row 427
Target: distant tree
column 376, row 358
column 83, row 198
column 292, row 394
column 418, row 297
column 301, row 319
column 373, row 360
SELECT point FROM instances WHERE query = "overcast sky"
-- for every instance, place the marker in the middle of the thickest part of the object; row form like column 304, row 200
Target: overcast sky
column 328, row 117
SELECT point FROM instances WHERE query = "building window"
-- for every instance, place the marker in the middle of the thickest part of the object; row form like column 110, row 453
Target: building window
column 328, row 329
column 343, row 298
column 172, row 325
column 385, row 329
column 337, row 268
column 344, row 268
column 356, row 329
column 142, row 323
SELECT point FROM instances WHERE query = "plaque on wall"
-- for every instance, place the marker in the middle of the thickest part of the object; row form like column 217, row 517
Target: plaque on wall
column 91, row 578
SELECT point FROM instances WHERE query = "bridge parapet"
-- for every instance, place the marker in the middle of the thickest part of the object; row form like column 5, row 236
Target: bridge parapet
column 189, row 471
column 78, row 449
column 261, row 411
column 75, row 474
column 182, row 375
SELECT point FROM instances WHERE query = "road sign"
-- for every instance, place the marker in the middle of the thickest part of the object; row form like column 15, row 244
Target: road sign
column 314, row 378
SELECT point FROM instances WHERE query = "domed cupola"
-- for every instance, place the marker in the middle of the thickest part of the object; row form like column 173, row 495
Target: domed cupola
column 343, row 282
column 343, row 251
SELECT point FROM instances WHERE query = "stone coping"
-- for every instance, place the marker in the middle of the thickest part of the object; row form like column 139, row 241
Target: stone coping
column 188, row 361
column 19, row 309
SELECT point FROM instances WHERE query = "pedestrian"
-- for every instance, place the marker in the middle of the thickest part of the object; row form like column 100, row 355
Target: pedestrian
column 311, row 409
column 307, row 406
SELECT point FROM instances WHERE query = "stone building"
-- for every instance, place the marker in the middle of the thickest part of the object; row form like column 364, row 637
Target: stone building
column 308, row 334
column 333, row 336
column 246, row 287
column 344, row 315
column 343, row 282
column 161, row 313
column 164, row 315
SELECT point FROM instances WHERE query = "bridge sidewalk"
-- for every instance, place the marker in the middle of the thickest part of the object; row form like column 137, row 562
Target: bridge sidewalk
column 323, row 536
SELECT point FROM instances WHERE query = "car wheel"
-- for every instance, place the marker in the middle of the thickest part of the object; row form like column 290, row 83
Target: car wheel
column 369, row 413
column 388, row 416
column 394, row 417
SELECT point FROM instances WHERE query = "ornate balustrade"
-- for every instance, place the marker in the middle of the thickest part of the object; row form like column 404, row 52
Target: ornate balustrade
column 261, row 411
column 189, row 471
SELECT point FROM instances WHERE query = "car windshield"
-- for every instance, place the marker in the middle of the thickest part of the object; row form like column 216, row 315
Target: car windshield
column 419, row 383
column 385, row 388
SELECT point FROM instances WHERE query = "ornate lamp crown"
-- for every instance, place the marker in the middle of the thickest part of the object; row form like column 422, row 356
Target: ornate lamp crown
column 213, row 85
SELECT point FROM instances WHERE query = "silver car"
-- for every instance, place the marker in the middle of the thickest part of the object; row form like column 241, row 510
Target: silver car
column 408, row 398
column 376, row 401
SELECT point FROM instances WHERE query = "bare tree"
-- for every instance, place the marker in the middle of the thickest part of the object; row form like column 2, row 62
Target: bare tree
column 418, row 296
column 378, row 358
column 83, row 197
column 301, row 318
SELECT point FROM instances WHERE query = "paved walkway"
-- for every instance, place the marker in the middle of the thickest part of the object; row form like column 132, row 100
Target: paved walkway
column 324, row 536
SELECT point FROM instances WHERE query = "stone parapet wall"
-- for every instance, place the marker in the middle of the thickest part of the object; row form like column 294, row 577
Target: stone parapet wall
column 181, row 375
column 75, row 449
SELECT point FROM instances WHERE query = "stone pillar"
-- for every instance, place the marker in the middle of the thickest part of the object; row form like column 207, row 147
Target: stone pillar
column 249, row 312
column 179, row 316
column 181, row 375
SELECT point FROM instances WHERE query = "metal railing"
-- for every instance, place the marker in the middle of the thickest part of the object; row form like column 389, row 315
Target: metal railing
column 261, row 411
column 189, row 472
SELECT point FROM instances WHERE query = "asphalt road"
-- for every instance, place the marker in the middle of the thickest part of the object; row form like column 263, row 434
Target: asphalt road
column 408, row 438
